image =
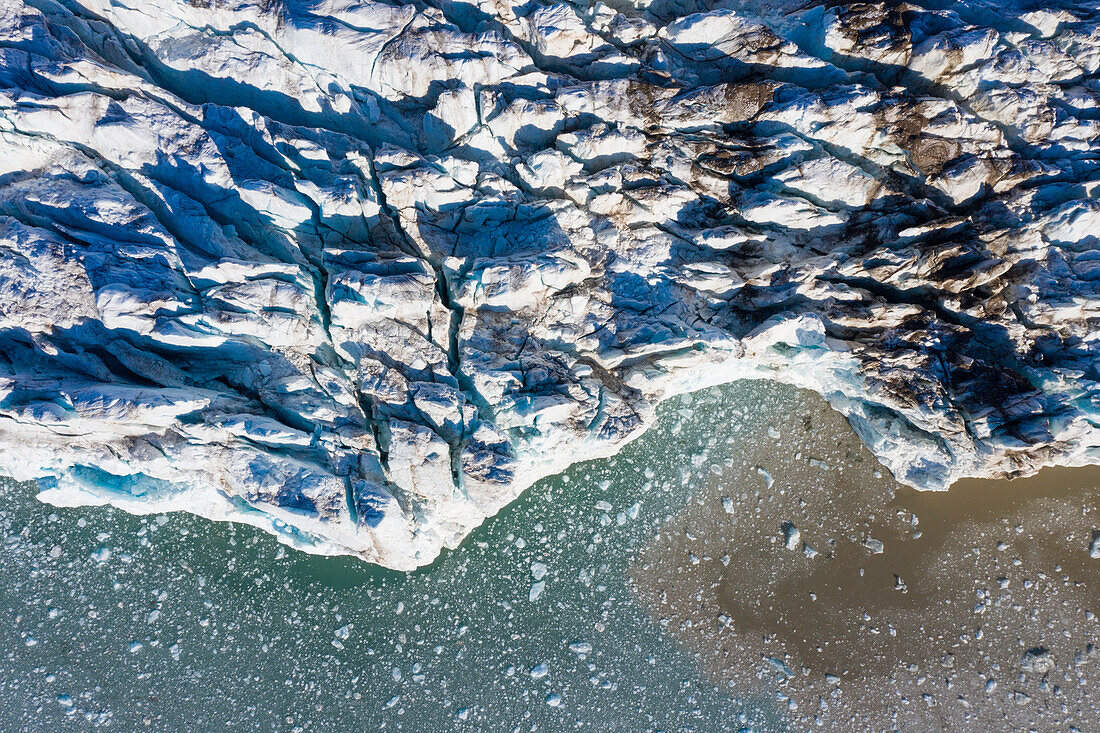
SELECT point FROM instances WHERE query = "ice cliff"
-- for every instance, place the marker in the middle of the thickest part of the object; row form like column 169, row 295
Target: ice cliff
column 358, row 273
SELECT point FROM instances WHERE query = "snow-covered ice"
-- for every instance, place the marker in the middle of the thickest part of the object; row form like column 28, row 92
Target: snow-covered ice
column 360, row 273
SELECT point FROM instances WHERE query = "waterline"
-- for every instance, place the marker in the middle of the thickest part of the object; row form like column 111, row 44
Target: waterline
column 176, row 623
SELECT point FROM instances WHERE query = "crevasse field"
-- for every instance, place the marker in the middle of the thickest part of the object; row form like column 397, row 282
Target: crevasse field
column 359, row 273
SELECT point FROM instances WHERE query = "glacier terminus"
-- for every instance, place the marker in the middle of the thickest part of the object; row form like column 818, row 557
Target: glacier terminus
column 358, row 273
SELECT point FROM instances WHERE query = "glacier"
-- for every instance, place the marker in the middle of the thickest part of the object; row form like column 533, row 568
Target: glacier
column 359, row 273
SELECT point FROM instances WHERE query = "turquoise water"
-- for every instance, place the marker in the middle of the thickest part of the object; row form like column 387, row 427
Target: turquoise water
column 175, row 623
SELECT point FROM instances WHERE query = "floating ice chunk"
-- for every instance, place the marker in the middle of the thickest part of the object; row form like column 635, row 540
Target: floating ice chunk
column 540, row 670
column 875, row 546
column 1094, row 546
column 809, row 551
column 791, row 535
column 727, row 505
column 553, row 700
column 580, row 647
column 538, row 570
column 1037, row 660
column 768, row 480
column 779, row 666
column 536, row 591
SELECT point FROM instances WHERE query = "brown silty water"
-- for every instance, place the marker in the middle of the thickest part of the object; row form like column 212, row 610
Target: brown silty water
column 804, row 567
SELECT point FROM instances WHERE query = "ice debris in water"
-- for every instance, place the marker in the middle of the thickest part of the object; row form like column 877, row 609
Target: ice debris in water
column 1094, row 546
column 363, row 283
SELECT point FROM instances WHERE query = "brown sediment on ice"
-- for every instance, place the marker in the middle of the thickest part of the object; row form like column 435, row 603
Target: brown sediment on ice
column 871, row 604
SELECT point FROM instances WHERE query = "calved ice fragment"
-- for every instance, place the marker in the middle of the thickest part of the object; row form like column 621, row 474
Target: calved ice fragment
column 358, row 273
